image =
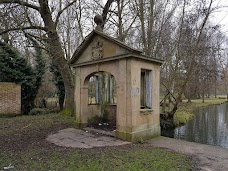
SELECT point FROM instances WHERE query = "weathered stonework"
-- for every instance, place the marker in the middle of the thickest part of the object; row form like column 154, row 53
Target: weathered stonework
column 10, row 98
column 126, row 64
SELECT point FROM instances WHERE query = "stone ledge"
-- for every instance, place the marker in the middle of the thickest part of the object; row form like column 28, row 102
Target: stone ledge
column 108, row 133
column 146, row 111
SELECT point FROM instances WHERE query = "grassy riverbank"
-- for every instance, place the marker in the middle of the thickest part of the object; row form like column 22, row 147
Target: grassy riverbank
column 23, row 146
column 185, row 110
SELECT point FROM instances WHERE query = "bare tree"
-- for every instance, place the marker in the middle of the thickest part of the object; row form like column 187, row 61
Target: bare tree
column 49, row 15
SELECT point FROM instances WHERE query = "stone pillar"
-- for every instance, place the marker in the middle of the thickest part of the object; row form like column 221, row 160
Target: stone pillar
column 77, row 96
column 123, row 122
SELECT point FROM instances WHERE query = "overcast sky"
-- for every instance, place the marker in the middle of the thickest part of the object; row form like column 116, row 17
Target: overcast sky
column 221, row 15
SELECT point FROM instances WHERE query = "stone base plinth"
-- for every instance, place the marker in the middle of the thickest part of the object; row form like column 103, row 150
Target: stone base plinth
column 139, row 136
column 81, row 125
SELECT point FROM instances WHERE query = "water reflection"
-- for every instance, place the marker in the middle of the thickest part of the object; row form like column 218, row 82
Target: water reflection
column 209, row 126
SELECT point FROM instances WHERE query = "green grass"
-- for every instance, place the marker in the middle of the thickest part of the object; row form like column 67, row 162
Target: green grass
column 19, row 124
column 185, row 110
column 132, row 157
column 23, row 145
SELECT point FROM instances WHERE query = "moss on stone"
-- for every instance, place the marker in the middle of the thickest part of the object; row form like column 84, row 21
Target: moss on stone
column 137, row 137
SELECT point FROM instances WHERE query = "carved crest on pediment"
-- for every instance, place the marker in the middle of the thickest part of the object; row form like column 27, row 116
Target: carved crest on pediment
column 97, row 50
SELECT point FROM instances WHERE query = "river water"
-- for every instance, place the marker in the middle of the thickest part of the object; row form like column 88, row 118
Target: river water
column 209, row 126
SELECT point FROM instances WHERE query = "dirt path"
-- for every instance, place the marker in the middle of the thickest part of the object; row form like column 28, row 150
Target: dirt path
column 209, row 158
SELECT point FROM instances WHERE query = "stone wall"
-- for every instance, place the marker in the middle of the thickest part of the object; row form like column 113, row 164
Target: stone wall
column 109, row 108
column 10, row 98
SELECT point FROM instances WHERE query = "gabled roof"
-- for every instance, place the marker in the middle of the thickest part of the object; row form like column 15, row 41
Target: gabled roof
column 89, row 38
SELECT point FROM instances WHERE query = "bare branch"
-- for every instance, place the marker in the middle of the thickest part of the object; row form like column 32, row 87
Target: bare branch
column 42, row 38
column 114, row 12
column 38, row 47
column 24, row 28
column 130, row 26
column 20, row 3
column 204, row 22
column 61, row 11
column 106, row 10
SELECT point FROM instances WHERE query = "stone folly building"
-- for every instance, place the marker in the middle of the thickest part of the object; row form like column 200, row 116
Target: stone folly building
column 129, row 92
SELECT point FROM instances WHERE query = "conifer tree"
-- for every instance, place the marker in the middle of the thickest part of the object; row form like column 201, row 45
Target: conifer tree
column 14, row 68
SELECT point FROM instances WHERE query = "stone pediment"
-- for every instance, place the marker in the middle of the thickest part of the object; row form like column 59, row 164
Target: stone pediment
column 99, row 46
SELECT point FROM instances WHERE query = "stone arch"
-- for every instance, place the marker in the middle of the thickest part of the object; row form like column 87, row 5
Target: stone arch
column 94, row 72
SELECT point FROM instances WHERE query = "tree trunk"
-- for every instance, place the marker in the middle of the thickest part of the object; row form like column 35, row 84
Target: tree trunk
column 189, row 100
column 203, row 97
column 57, row 54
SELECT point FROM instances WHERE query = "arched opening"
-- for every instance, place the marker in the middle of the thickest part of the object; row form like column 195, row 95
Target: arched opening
column 102, row 100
